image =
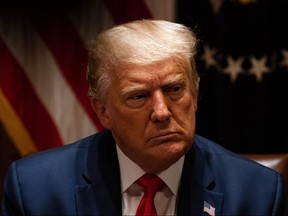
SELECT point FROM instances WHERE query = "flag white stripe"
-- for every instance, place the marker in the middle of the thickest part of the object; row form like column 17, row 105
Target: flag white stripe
column 91, row 18
column 68, row 115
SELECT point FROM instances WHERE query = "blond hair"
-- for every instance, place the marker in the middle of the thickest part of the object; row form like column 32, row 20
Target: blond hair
column 141, row 42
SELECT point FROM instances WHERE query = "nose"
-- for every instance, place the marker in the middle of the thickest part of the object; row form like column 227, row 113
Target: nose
column 160, row 110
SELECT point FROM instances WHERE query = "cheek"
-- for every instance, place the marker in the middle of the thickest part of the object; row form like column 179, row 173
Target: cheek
column 184, row 114
column 127, row 122
column 188, row 107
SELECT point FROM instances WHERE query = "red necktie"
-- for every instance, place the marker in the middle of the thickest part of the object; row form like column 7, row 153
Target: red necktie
column 151, row 184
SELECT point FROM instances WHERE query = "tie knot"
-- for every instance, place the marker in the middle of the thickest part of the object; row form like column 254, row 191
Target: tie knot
column 151, row 184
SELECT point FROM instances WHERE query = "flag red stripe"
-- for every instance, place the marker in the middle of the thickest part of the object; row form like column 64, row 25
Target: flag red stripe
column 70, row 55
column 127, row 10
column 25, row 102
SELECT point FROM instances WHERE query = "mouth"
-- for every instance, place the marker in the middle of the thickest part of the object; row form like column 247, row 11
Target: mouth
column 165, row 137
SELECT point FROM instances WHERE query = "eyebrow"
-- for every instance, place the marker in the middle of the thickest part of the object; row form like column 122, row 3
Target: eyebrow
column 179, row 77
column 133, row 88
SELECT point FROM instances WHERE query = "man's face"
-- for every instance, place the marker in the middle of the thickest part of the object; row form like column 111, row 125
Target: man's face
column 151, row 113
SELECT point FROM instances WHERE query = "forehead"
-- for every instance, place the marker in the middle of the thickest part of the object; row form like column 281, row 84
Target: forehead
column 164, row 70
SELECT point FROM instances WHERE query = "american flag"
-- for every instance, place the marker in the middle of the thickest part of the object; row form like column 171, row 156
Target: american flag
column 43, row 59
column 210, row 210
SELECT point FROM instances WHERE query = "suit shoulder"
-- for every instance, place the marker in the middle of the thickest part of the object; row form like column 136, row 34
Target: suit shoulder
column 61, row 151
column 62, row 154
column 241, row 180
column 220, row 156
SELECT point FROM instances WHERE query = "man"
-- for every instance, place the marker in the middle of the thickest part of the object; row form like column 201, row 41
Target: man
column 143, row 87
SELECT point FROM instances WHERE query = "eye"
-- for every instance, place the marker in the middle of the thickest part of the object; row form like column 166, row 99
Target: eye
column 136, row 100
column 138, row 97
column 175, row 92
column 175, row 89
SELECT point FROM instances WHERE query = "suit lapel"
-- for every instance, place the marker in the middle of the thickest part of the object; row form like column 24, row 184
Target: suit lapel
column 96, row 199
column 101, row 193
column 197, row 184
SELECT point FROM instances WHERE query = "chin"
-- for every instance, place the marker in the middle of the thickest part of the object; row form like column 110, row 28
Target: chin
column 173, row 152
column 164, row 156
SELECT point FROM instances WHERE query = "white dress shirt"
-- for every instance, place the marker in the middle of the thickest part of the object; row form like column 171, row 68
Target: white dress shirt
column 165, row 200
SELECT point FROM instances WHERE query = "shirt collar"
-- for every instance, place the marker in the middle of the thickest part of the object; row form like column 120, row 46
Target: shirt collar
column 130, row 172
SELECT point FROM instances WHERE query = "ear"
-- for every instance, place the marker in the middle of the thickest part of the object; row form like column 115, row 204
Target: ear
column 101, row 110
column 195, row 103
column 194, row 94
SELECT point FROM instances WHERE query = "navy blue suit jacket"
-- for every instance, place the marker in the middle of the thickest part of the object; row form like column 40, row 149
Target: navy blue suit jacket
column 84, row 179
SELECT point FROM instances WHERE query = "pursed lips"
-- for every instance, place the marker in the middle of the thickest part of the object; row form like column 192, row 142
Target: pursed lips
column 164, row 135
